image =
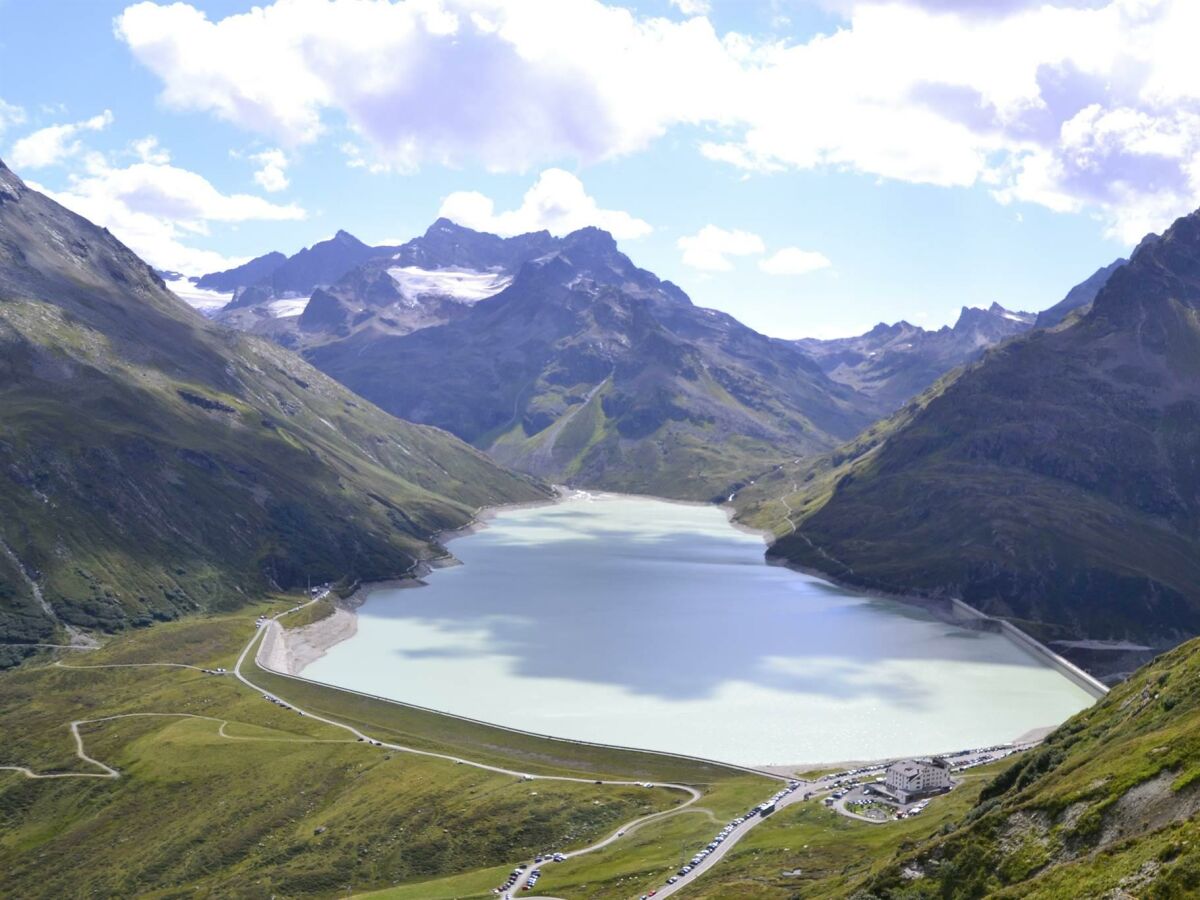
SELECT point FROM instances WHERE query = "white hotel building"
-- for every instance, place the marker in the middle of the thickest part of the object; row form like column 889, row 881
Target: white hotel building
column 911, row 778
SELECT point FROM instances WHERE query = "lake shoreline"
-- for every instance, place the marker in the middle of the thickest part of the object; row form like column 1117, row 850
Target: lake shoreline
column 305, row 646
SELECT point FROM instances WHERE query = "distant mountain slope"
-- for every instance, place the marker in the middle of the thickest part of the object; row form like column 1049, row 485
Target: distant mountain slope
column 896, row 362
column 154, row 464
column 299, row 275
column 1106, row 808
column 1056, row 482
column 589, row 369
column 259, row 269
column 1079, row 296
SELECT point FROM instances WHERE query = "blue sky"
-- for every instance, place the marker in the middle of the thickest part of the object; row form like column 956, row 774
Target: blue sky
column 908, row 157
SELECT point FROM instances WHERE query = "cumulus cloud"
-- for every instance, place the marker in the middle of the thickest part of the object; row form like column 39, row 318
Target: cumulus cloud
column 988, row 9
column 709, row 249
column 920, row 91
column 794, row 261
column 1081, row 107
column 10, row 115
column 557, row 202
column 52, row 145
column 510, row 83
column 272, row 172
column 154, row 207
column 148, row 150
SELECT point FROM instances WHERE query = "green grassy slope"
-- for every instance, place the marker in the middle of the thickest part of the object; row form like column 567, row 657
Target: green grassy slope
column 277, row 804
column 1105, row 808
column 154, row 464
column 1056, row 483
column 808, row 850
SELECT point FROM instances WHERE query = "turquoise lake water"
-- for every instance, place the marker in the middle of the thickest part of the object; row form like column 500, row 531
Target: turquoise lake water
column 644, row 623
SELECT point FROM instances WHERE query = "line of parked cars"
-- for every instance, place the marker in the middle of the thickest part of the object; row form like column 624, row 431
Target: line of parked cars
column 534, row 874
column 512, row 879
column 763, row 809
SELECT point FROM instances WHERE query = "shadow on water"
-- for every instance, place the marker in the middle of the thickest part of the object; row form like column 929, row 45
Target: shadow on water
column 671, row 615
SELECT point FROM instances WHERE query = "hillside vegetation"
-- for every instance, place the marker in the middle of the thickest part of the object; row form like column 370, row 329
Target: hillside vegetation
column 1105, row 808
column 154, row 464
column 1056, row 482
column 224, row 794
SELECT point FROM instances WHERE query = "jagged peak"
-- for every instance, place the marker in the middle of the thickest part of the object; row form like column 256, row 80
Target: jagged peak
column 1162, row 268
column 10, row 185
column 590, row 237
column 443, row 225
column 345, row 237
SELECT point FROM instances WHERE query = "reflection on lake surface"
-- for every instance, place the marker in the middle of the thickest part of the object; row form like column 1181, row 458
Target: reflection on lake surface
column 634, row 621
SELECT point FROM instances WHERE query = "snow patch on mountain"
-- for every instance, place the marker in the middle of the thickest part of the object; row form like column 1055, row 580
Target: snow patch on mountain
column 464, row 285
column 287, row 306
column 205, row 301
column 1025, row 318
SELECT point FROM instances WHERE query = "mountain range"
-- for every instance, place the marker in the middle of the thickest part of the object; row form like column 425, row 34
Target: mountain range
column 560, row 357
column 894, row 363
column 156, row 464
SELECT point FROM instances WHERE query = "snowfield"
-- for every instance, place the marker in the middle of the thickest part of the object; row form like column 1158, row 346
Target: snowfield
column 207, row 302
column 464, row 285
column 288, row 306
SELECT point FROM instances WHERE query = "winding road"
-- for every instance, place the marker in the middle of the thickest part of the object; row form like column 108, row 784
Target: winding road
column 258, row 639
column 693, row 794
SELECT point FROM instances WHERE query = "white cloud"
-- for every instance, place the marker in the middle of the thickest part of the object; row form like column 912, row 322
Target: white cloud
column 10, row 115
column 272, row 173
column 557, row 202
column 692, row 7
column 356, row 159
column 148, row 150
column 52, row 145
column 154, row 207
column 510, row 83
column 922, row 91
column 709, row 249
column 794, row 261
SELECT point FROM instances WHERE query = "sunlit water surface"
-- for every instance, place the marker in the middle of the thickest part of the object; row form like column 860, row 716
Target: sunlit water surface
column 634, row 621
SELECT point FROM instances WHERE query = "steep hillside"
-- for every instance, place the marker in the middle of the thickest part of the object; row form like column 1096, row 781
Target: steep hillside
column 155, row 464
column 1079, row 297
column 1105, row 808
column 588, row 369
column 1057, row 482
column 896, row 362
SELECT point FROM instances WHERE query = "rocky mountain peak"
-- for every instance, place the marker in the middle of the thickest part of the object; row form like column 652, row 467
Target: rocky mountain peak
column 346, row 238
column 11, row 187
column 995, row 316
column 1160, row 272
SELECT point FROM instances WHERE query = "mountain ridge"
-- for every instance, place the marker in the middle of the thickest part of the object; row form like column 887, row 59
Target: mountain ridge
column 894, row 363
column 1052, row 482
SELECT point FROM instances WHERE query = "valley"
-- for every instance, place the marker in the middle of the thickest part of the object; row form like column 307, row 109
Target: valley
column 601, row 571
